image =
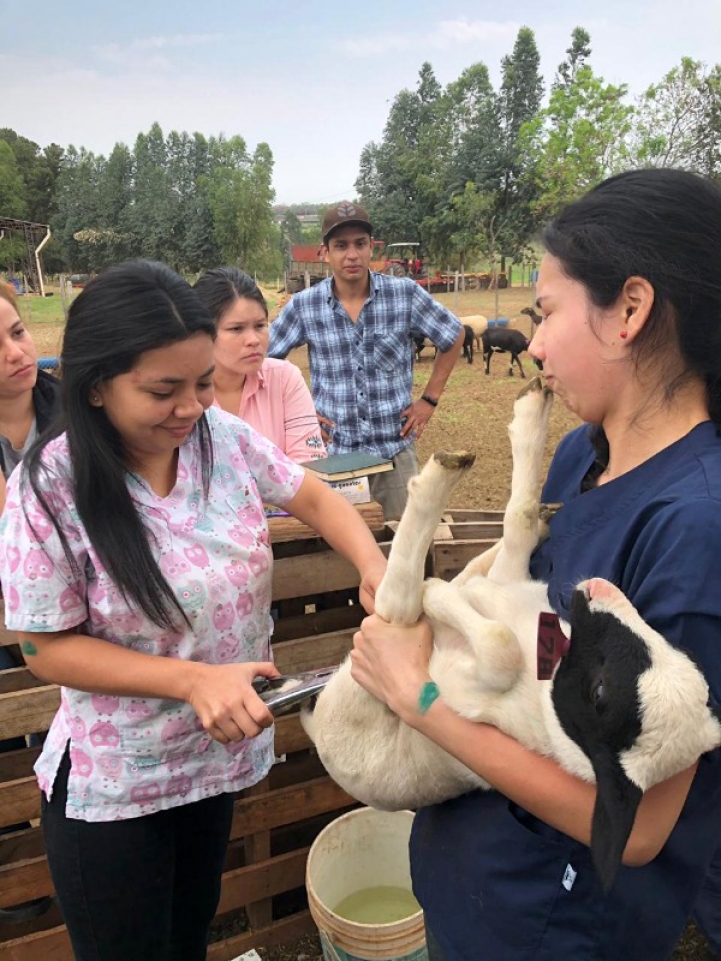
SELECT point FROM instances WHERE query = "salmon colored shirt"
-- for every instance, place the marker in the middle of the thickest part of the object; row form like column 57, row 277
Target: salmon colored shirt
column 277, row 403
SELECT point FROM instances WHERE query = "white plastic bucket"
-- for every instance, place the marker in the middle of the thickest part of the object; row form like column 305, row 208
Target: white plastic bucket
column 363, row 849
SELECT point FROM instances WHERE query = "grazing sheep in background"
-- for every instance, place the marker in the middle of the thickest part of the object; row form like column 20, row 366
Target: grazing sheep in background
column 484, row 662
column 478, row 323
column 468, row 343
column 535, row 318
column 420, row 343
column 502, row 340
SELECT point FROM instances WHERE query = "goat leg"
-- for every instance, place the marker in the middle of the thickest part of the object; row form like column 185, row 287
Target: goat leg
column 399, row 598
column 497, row 653
column 527, row 431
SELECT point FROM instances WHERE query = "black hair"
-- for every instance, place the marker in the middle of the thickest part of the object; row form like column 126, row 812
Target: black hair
column 221, row 287
column 663, row 225
column 125, row 311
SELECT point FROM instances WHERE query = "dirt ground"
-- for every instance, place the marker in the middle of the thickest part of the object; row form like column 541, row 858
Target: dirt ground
column 473, row 414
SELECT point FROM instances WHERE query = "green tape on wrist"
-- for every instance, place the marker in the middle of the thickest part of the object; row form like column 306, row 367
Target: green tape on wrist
column 429, row 694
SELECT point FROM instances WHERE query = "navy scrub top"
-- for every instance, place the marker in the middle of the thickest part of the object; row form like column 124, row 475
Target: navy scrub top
column 495, row 882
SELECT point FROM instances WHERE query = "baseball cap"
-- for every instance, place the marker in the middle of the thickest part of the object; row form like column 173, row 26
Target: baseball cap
column 341, row 214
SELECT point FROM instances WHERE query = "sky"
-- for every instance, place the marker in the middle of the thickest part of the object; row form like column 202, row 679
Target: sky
column 315, row 80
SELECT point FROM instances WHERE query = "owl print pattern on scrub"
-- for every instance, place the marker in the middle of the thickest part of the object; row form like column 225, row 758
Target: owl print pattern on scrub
column 129, row 755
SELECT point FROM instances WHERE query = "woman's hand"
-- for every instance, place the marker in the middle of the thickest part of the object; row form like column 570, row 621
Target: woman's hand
column 224, row 699
column 391, row 661
column 371, row 577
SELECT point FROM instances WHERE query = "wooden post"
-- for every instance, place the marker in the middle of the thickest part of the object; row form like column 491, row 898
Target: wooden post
column 64, row 296
column 257, row 848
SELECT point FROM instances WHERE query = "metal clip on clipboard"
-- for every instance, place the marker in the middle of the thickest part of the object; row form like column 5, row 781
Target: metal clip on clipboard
column 284, row 692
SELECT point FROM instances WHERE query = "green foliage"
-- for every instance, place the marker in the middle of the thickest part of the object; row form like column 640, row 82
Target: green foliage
column 181, row 199
column 12, row 188
column 580, row 138
column 437, row 141
column 678, row 121
column 240, row 196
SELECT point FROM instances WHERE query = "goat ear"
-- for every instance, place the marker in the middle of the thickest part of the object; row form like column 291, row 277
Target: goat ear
column 617, row 800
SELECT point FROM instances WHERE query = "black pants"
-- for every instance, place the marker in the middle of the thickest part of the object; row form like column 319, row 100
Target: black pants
column 144, row 889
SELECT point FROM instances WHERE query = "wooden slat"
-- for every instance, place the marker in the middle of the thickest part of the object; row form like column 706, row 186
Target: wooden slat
column 263, row 880
column 476, row 530
column 24, row 880
column 457, row 516
column 289, row 735
column 257, row 849
column 296, row 577
column 309, row 653
column 19, row 801
column 450, row 557
column 50, row 945
column 318, row 622
column 28, row 711
column 262, row 812
column 283, row 931
column 289, row 529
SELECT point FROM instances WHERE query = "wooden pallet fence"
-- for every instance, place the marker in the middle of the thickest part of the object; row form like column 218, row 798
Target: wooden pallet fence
column 463, row 535
column 274, row 822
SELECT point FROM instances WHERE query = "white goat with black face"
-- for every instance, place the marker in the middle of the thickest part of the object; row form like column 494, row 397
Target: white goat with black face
column 624, row 708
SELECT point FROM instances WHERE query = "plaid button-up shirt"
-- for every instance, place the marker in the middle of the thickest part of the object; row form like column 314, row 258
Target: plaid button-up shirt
column 362, row 373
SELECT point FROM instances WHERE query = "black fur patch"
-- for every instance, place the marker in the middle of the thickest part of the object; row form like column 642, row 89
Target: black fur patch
column 603, row 651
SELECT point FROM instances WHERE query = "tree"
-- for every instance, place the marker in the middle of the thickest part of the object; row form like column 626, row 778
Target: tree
column 12, row 186
column 577, row 55
column 678, row 120
column 578, row 140
column 77, row 197
column 519, row 102
column 398, row 179
column 240, row 196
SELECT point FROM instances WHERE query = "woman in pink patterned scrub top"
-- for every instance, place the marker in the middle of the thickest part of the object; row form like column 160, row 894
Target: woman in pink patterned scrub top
column 136, row 567
column 270, row 395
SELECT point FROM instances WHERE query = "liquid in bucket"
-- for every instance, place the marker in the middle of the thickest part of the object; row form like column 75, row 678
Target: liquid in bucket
column 358, row 879
column 381, row 904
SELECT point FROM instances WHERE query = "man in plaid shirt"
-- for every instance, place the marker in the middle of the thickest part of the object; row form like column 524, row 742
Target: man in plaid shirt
column 359, row 327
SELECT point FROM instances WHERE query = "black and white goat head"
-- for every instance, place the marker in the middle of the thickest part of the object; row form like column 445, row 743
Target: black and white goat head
column 622, row 707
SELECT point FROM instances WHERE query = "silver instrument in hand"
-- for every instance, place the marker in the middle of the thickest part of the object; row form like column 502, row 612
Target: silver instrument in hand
column 284, row 692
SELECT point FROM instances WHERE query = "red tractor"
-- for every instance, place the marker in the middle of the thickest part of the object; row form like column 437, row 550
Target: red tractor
column 404, row 260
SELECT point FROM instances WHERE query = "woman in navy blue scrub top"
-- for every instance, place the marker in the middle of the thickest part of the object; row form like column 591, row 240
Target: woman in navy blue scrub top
column 630, row 294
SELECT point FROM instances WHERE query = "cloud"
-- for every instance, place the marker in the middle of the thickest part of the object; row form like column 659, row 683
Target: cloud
column 444, row 35
column 177, row 40
column 144, row 52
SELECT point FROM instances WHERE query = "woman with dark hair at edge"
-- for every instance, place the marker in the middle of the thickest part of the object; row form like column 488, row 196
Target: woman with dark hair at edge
column 630, row 294
column 137, row 570
column 270, row 395
column 29, row 399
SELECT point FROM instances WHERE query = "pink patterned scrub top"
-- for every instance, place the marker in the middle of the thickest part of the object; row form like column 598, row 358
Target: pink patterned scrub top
column 277, row 403
column 132, row 756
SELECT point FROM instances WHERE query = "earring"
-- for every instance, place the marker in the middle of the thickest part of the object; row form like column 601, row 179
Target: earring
column 623, row 334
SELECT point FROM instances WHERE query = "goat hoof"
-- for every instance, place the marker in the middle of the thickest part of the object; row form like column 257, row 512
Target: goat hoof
column 536, row 383
column 454, row 460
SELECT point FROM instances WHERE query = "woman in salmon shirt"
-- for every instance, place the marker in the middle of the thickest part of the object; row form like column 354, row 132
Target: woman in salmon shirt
column 270, row 395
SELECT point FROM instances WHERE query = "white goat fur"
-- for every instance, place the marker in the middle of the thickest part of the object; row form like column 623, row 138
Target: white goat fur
column 484, row 656
column 478, row 323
